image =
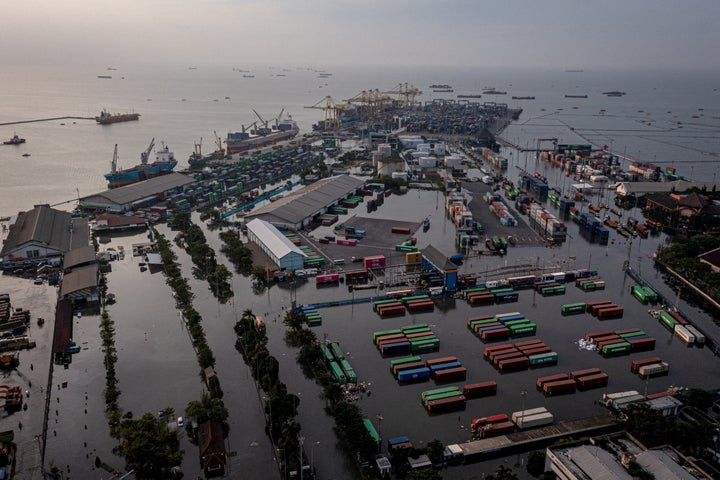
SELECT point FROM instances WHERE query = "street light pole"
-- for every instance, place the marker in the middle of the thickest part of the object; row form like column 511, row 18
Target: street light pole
column 312, row 458
column 302, row 439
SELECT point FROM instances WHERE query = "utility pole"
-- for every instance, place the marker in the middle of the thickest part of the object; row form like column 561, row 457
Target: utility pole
column 300, row 456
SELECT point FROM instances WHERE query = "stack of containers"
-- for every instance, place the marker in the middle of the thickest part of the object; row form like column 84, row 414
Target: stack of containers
column 546, row 223
column 491, row 426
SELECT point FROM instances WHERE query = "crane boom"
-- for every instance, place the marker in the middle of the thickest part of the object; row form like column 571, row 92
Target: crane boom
column 146, row 154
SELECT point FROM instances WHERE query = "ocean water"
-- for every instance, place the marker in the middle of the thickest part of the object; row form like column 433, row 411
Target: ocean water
column 667, row 117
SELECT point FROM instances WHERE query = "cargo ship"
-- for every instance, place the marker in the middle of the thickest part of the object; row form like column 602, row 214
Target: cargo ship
column 524, row 98
column 106, row 117
column 575, row 96
column 198, row 161
column 259, row 137
column 494, row 92
column 163, row 164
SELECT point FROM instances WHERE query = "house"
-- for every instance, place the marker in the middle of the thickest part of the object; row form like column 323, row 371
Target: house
column 211, row 442
column 108, row 222
column 712, row 258
column 43, row 234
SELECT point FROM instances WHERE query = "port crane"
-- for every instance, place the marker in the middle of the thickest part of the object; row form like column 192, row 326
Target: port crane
column 146, row 154
column 373, row 99
column 405, row 92
column 331, row 110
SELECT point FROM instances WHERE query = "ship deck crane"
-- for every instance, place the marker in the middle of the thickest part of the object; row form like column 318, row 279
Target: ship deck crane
column 265, row 129
column 146, row 154
column 113, row 165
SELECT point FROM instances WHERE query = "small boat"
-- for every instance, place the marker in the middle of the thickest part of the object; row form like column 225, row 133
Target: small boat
column 25, row 154
column 40, row 321
column 15, row 140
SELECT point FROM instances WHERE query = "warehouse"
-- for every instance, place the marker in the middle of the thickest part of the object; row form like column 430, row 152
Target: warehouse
column 438, row 265
column 281, row 251
column 136, row 195
column 298, row 209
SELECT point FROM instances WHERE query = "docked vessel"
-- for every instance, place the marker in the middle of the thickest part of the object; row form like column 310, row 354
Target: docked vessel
column 494, row 92
column 259, row 137
column 15, row 140
column 106, row 117
column 163, row 164
column 198, row 161
column 614, row 93
column 576, row 96
column 524, row 98
column 471, row 95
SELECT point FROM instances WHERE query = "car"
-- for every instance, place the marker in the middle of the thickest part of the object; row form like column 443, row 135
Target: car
column 38, row 281
column 180, row 422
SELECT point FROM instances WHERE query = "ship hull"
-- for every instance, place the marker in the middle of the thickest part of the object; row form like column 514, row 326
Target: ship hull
column 246, row 144
column 127, row 117
column 138, row 174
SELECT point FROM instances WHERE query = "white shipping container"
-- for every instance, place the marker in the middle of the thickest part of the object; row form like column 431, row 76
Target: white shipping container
column 699, row 337
column 537, row 420
column 684, row 334
column 524, row 413
column 614, row 396
column 654, row 369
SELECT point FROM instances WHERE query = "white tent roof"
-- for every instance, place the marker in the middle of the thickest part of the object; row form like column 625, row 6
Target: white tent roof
column 275, row 241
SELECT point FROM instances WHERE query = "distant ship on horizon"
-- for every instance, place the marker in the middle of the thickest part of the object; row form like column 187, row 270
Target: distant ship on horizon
column 106, row 117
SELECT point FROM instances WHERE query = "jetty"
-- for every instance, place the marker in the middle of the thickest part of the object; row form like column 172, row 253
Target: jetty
column 18, row 122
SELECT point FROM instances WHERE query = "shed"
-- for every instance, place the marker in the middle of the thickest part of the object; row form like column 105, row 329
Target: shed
column 281, row 251
column 81, row 284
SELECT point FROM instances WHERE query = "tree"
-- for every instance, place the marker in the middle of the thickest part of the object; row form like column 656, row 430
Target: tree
column 435, row 451
column 149, row 447
column 427, row 473
column 504, row 473
column 536, row 462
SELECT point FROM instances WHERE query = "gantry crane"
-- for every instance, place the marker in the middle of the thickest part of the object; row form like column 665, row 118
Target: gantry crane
column 373, row 99
column 405, row 92
column 331, row 109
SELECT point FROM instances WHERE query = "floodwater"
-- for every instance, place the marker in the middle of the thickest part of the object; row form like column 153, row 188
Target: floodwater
column 157, row 367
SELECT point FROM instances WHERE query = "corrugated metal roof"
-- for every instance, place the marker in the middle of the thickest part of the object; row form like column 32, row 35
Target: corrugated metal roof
column 82, row 278
column 275, row 241
column 78, row 256
column 597, row 463
column 137, row 191
column 297, row 206
column 437, row 258
column 662, row 465
column 47, row 226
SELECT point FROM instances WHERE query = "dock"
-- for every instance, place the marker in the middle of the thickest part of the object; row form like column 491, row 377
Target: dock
column 479, row 450
column 46, row 120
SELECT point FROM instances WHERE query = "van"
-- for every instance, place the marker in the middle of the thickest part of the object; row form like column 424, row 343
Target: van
column 339, row 261
column 180, row 422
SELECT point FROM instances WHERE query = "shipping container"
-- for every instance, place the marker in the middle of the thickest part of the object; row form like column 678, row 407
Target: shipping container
column 509, row 316
column 528, row 412
column 610, row 312
column 425, row 346
column 436, row 361
column 411, row 336
column 559, row 386
column 385, row 332
column 543, row 359
column 401, row 230
column 699, row 336
column 583, row 373
column 424, row 395
column 654, row 369
column 375, row 261
column 592, row 381
column 488, row 350
column 406, row 366
column 391, row 310
column 536, row 350
column 400, row 361
column 475, row 390
column 528, row 343
column 506, row 297
column 472, row 322
column 446, row 404
column 507, row 356
column 477, row 423
column 338, row 373
column 636, row 364
column 328, row 278
column 496, row 429
column 642, row 344
column 615, row 349
column 572, row 308
column 336, row 350
column 537, row 420
column 481, row 298
column 415, row 374
column 550, row 378
column 592, row 307
column 491, row 334
column 395, row 348
column 420, row 327
column 456, row 373
column 420, row 306
column 590, row 337
column 389, row 338
column 442, row 366
column 684, row 334
column 440, row 396
column 513, row 364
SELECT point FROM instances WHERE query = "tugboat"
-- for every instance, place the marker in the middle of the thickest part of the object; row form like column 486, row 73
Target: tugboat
column 15, row 140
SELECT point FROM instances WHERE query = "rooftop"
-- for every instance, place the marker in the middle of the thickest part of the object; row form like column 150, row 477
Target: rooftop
column 296, row 206
column 140, row 190
column 273, row 239
column 78, row 256
column 81, row 281
column 53, row 228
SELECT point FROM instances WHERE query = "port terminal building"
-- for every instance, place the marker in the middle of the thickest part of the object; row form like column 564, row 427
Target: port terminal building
column 137, row 195
column 282, row 252
column 299, row 209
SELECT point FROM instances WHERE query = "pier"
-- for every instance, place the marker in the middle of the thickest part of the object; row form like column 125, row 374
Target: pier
column 46, row 120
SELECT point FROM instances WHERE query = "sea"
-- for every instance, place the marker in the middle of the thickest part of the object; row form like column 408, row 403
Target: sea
column 670, row 118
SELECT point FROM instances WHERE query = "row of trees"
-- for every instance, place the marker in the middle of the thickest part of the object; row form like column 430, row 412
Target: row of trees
column 205, row 263
column 280, row 406
column 237, row 252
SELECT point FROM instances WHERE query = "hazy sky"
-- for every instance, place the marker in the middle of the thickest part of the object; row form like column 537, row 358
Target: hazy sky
column 556, row 33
